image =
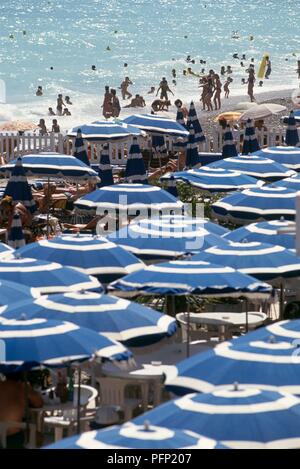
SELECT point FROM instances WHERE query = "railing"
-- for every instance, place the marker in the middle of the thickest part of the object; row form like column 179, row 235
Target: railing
column 12, row 145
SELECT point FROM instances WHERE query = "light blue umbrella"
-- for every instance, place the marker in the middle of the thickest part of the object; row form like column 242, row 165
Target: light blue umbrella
column 250, row 144
column 280, row 331
column 39, row 342
column 15, row 237
column 105, row 170
column 129, row 196
column 180, row 145
column 167, row 237
column 250, row 205
column 19, row 189
column 5, row 250
column 131, row 436
column 156, row 124
column 261, row 260
column 79, row 149
column 105, row 131
column 53, row 165
column 255, row 166
column 292, row 183
column 239, row 416
column 135, row 171
column 10, row 292
column 229, row 148
column 188, row 277
column 292, row 136
column 289, row 157
column 264, row 232
column 193, row 122
column 192, row 156
column 117, row 319
column 46, row 277
column 215, row 179
column 268, row 364
column 92, row 255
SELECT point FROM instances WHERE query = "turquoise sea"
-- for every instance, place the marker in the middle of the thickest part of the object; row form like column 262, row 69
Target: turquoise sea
column 151, row 36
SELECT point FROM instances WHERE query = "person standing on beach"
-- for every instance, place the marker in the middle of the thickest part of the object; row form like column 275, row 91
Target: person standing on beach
column 107, row 103
column 124, row 88
column 116, row 108
column 60, row 104
column 269, row 68
column 164, row 89
column 251, row 81
column 217, row 95
column 226, row 88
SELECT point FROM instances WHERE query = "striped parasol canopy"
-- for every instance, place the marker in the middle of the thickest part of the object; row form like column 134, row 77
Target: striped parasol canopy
column 19, row 189
column 193, row 122
column 105, row 170
column 289, row 157
column 135, row 171
column 292, row 136
column 105, row 131
column 157, row 125
column 250, row 144
column 229, row 147
column 15, row 237
column 192, row 156
column 79, row 149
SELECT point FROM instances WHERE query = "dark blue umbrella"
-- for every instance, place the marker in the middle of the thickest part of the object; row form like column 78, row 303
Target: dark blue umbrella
column 19, row 189
column 180, row 144
column 159, row 144
column 135, row 171
column 289, row 157
column 250, row 144
column 229, row 147
column 170, row 186
column 156, row 124
column 292, row 136
column 15, row 238
column 79, row 149
column 192, row 156
column 193, row 122
column 105, row 170
column 104, row 131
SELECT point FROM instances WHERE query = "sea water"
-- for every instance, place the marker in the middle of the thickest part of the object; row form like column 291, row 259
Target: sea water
column 151, row 36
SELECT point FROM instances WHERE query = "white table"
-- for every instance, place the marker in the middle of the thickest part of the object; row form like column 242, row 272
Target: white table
column 225, row 321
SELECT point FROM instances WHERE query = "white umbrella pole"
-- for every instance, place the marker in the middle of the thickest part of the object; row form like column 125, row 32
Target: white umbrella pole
column 48, row 208
column 78, row 400
column 247, row 322
column 188, row 330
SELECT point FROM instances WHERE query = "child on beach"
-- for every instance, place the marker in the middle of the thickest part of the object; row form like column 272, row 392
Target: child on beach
column 51, row 112
column 226, row 88
column 68, row 101
column 42, row 126
column 179, row 105
column 39, row 91
column 66, row 112
column 152, row 90
column 217, row 95
column 55, row 126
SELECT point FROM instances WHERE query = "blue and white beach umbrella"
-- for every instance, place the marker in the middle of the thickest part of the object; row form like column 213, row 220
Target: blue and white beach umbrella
column 289, row 157
column 39, row 342
column 53, row 165
column 229, row 148
column 180, row 144
column 250, row 205
column 239, row 416
column 105, row 131
column 5, row 250
column 117, row 319
column 292, row 183
column 282, row 331
column 215, row 179
column 46, row 277
column 105, row 170
column 156, row 124
column 188, row 277
column 19, row 189
column 166, row 237
column 131, row 436
column 10, row 292
column 170, row 185
column 159, row 147
column 192, row 156
column 135, row 171
column 255, row 166
column 129, row 196
column 268, row 364
column 261, row 260
column 79, row 149
column 193, row 122
column 92, row 255
column 292, row 136
column 264, row 232
column 15, row 237
column 250, row 144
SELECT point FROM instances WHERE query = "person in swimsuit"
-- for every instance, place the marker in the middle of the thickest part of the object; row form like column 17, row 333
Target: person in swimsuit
column 116, row 108
column 124, row 88
column 60, row 105
column 164, row 89
column 107, row 104
column 251, row 81
column 217, row 95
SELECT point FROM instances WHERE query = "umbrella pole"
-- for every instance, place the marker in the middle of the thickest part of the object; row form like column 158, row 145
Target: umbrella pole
column 188, row 330
column 281, row 301
column 48, row 208
column 26, row 391
column 78, row 400
column 247, row 322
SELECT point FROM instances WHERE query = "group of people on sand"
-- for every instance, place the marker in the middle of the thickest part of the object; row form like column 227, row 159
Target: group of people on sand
column 111, row 105
column 43, row 129
column 61, row 106
column 211, row 86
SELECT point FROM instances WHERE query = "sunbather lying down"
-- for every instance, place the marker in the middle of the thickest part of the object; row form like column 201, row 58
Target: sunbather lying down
column 100, row 224
column 171, row 166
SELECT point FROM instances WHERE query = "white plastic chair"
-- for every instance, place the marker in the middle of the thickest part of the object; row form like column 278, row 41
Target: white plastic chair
column 68, row 420
column 112, row 392
column 195, row 333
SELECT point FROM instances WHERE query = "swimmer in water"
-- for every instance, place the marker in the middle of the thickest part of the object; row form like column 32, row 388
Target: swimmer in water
column 174, row 73
column 60, row 104
column 236, row 56
column 229, row 69
column 223, row 71
column 260, row 83
column 51, row 112
column 152, row 90
column 93, row 67
column 68, row 101
column 39, row 91
column 66, row 112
